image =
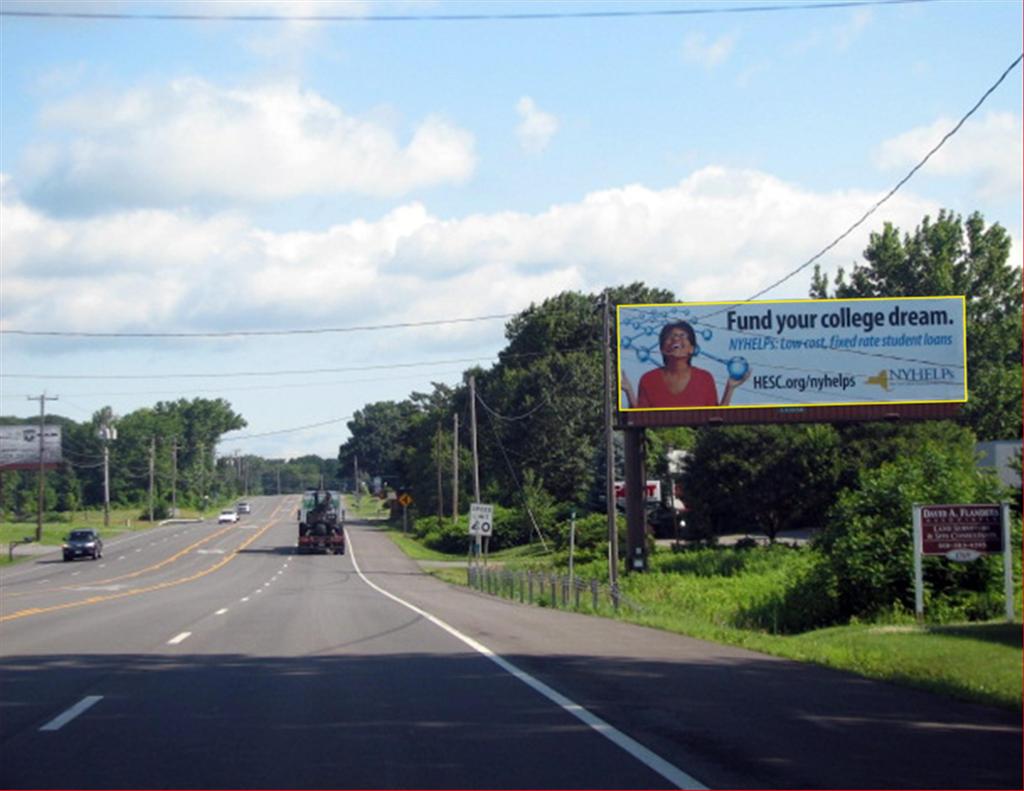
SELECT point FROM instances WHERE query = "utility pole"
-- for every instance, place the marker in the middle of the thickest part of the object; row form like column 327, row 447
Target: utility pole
column 613, row 536
column 278, row 478
column 202, row 477
column 152, row 474
column 42, row 399
column 355, row 475
column 472, row 433
column 455, row 471
column 440, row 486
column 174, row 477
column 106, row 433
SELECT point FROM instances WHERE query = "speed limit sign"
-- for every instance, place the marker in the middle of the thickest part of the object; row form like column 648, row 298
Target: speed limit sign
column 481, row 519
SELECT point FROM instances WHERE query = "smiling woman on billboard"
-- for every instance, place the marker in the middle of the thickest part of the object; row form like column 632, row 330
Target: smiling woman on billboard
column 677, row 383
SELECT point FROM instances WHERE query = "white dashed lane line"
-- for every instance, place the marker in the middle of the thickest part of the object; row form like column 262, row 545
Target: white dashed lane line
column 221, row 611
column 180, row 638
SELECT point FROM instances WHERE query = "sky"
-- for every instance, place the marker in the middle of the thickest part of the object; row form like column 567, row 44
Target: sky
column 305, row 215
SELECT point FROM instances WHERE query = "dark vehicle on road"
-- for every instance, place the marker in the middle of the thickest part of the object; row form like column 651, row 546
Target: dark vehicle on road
column 83, row 543
column 321, row 522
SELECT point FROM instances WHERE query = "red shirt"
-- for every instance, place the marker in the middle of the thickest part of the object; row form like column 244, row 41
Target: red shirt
column 699, row 391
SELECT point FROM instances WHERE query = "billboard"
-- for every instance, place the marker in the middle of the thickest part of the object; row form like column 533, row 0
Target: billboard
column 789, row 356
column 19, row 447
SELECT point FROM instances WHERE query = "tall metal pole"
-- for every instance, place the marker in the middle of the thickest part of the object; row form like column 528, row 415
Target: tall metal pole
column 42, row 473
column 613, row 536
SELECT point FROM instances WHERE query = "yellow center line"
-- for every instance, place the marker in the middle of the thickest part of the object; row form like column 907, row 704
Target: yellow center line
column 159, row 586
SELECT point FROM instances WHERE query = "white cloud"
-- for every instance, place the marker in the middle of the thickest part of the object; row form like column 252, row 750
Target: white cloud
column 697, row 48
column 536, row 127
column 192, row 140
column 839, row 37
column 988, row 150
column 847, row 33
column 718, row 234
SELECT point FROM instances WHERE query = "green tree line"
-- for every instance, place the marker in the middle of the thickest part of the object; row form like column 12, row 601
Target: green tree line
column 180, row 436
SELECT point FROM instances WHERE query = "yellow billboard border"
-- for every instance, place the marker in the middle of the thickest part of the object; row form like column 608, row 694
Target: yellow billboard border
column 642, row 410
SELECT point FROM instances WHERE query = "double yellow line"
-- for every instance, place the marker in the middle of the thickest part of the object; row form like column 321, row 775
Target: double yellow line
column 160, row 586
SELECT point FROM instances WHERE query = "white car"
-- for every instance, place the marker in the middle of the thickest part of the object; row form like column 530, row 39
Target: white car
column 227, row 515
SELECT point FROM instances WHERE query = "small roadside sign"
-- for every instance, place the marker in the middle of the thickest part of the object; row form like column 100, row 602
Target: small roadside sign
column 404, row 500
column 481, row 519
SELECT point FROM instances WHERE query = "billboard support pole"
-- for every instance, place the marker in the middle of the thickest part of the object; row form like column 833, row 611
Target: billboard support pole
column 636, row 496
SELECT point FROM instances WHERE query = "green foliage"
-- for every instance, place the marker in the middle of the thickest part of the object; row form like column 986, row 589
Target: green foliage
column 952, row 257
column 193, row 427
column 868, row 538
column 761, row 478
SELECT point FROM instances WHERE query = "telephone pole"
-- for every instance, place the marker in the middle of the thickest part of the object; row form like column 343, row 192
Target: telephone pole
column 455, row 471
column 472, row 433
column 174, row 477
column 42, row 399
column 107, row 433
column 613, row 535
column 152, row 474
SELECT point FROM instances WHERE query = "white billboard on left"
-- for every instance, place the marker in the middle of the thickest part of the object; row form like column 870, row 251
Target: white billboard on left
column 20, row 446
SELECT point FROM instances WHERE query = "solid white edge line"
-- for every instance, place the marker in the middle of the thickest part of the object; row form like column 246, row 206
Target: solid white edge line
column 651, row 760
column 61, row 720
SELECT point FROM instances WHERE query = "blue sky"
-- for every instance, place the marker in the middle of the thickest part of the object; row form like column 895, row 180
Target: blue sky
column 209, row 176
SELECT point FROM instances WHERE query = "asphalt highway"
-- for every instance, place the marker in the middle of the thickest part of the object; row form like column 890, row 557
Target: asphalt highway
column 214, row 656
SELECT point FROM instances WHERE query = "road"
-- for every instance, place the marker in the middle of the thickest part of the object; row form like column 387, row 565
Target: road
column 214, row 656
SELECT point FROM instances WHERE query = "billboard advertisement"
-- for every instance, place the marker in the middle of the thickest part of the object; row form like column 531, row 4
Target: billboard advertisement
column 791, row 354
column 19, row 446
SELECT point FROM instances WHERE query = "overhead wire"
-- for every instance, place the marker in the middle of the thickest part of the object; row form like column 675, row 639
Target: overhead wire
column 896, row 188
column 254, row 333
column 530, row 16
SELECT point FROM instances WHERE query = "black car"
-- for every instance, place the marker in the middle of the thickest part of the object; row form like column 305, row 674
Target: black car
column 83, row 543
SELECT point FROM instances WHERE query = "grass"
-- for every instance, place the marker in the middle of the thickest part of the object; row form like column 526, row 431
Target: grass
column 708, row 596
column 122, row 520
column 366, row 506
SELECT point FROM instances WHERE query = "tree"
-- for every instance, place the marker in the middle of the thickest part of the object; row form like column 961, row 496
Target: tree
column 868, row 537
column 951, row 257
column 765, row 478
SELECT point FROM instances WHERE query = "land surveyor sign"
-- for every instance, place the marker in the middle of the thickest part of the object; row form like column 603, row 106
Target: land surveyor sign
column 961, row 532
column 481, row 519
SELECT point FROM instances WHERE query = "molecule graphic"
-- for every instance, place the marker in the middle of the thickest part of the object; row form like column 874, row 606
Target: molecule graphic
column 639, row 335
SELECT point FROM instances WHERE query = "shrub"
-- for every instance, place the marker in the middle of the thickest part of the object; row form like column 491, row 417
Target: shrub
column 868, row 536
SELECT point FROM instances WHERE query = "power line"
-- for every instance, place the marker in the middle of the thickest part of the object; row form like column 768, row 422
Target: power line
column 530, row 16
column 241, row 374
column 286, row 430
column 895, row 189
column 254, row 333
